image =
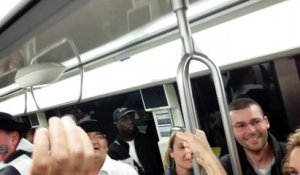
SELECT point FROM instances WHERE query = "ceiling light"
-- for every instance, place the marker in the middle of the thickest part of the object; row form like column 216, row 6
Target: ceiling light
column 9, row 8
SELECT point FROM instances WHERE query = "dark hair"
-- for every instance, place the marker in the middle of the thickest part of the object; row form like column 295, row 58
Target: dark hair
column 243, row 103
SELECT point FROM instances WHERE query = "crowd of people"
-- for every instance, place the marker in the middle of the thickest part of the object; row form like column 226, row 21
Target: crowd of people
column 66, row 148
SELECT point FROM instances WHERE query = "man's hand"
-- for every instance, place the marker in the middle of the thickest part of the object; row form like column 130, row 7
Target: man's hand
column 63, row 149
column 202, row 151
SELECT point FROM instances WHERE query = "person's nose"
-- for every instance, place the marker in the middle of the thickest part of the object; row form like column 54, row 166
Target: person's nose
column 93, row 140
column 188, row 153
column 130, row 120
column 250, row 128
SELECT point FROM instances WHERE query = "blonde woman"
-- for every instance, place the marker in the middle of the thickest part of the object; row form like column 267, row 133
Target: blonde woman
column 183, row 147
column 291, row 164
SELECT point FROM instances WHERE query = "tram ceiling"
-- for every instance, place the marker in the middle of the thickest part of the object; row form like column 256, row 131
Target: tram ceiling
column 112, row 29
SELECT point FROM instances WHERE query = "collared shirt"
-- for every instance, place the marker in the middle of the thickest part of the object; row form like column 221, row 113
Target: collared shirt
column 113, row 167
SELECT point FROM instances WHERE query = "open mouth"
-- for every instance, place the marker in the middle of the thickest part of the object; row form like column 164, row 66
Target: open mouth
column 253, row 139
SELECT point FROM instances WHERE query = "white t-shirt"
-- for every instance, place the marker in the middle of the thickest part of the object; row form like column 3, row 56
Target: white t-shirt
column 113, row 167
column 265, row 171
column 132, row 152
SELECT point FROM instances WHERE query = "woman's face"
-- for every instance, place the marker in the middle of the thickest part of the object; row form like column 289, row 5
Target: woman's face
column 181, row 154
column 294, row 161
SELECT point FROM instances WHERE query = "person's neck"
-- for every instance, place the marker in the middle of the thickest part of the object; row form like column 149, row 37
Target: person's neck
column 128, row 137
column 93, row 172
column 261, row 159
column 96, row 167
column 183, row 171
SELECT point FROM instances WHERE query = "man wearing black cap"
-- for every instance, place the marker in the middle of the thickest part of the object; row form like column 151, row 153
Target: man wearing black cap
column 15, row 151
column 133, row 147
column 102, row 163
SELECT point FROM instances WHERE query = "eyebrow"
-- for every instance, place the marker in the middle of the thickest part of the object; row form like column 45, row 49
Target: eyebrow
column 248, row 121
column 290, row 168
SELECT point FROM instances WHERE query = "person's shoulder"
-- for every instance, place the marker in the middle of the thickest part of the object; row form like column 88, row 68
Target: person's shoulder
column 144, row 137
column 278, row 146
column 225, row 159
column 283, row 147
column 116, row 144
column 9, row 170
column 113, row 144
column 113, row 149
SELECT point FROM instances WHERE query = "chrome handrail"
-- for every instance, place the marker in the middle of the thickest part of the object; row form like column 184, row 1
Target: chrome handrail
column 190, row 52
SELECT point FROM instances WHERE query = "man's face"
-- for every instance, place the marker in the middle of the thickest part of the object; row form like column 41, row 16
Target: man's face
column 99, row 143
column 250, row 128
column 8, row 143
column 126, row 124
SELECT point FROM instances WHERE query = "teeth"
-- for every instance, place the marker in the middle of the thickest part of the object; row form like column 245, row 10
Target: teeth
column 253, row 139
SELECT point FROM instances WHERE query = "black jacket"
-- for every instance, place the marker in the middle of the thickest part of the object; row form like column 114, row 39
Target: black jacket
column 247, row 169
column 146, row 150
column 9, row 170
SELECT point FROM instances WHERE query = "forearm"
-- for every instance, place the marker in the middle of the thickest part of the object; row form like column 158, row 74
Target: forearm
column 211, row 164
column 215, row 168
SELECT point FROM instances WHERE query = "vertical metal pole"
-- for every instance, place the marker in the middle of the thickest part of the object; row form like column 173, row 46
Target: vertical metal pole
column 221, row 95
column 184, row 86
column 188, row 107
column 187, row 103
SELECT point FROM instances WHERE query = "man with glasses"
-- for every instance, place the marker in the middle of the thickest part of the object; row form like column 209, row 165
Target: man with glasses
column 259, row 152
column 133, row 147
column 103, row 164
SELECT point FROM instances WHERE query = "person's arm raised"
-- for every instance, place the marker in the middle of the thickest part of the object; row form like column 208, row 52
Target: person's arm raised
column 202, row 151
column 63, row 149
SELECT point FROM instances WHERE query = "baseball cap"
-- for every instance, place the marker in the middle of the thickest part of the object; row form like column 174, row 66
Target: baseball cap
column 10, row 123
column 121, row 112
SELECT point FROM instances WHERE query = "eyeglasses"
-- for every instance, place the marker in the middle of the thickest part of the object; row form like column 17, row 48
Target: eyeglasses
column 243, row 125
column 97, row 136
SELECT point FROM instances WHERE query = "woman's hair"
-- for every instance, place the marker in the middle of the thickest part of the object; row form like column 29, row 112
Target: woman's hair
column 293, row 142
column 169, row 163
column 168, row 160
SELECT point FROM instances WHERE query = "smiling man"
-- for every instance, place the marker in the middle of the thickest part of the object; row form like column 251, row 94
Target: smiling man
column 103, row 164
column 259, row 152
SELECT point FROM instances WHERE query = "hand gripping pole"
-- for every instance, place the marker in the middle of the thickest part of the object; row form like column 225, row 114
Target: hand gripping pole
column 183, row 81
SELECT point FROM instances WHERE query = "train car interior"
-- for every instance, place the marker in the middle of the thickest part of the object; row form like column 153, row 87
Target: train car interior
column 91, row 57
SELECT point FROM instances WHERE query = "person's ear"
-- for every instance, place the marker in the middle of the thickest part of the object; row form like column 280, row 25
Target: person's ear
column 267, row 121
column 171, row 152
column 15, row 138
